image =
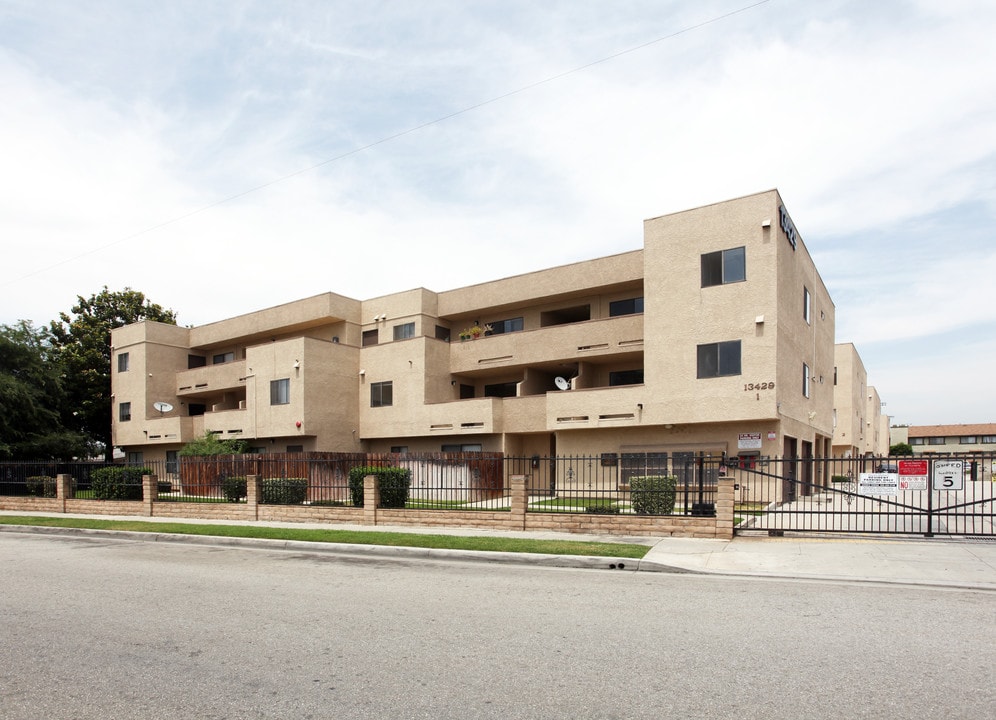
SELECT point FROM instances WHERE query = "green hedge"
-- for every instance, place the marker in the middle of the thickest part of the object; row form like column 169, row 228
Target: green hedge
column 653, row 494
column 234, row 488
column 394, row 484
column 284, row 491
column 118, row 483
column 41, row 486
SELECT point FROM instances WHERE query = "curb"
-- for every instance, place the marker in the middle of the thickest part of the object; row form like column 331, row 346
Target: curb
column 349, row 550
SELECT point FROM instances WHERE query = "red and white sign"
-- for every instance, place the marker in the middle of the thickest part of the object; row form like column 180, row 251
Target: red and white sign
column 912, row 474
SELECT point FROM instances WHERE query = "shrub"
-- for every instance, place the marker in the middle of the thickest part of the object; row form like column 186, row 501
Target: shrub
column 40, row 486
column 602, row 509
column 653, row 494
column 118, row 483
column 234, row 488
column 284, row 491
column 394, row 484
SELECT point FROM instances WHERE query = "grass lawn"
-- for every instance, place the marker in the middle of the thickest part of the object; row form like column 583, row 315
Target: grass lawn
column 356, row 537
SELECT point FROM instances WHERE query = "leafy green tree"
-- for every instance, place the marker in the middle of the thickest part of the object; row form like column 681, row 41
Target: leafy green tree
column 82, row 344
column 900, row 449
column 32, row 419
column 211, row 444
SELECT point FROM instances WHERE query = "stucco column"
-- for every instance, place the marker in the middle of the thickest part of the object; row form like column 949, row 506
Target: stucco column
column 252, row 495
column 63, row 489
column 520, row 499
column 150, row 493
column 371, row 499
column 724, row 508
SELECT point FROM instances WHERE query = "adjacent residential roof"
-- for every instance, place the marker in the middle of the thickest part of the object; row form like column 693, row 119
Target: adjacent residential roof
column 951, row 430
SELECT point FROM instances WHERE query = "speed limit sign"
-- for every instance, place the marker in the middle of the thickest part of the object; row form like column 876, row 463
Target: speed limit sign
column 949, row 475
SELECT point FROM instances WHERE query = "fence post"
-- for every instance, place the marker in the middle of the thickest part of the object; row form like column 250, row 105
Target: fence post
column 519, row 501
column 63, row 489
column 150, row 493
column 724, row 508
column 252, row 495
column 371, row 499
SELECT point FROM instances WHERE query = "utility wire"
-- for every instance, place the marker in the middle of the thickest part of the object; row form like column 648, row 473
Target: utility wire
column 395, row 136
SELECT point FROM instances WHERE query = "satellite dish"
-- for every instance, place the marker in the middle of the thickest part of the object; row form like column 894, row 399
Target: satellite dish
column 562, row 383
column 162, row 407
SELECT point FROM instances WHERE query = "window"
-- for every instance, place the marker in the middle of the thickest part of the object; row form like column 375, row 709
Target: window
column 399, row 449
column 625, row 307
column 805, row 380
column 172, row 463
column 807, row 302
column 626, row 377
column 442, row 333
column 462, row 448
column 382, row 394
column 124, row 412
column 506, row 326
column 936, row 441
column 988, row 439
column 642, row 464
column 719, row 359
column 134, row 458
column 404, row 332
column 369, row 337
column 222, row 358
column 122, row 362
column 724, row 266
column 295, row 448
column 466, row 391
column 500, row 390
column 916, row 441
column 969, row 440
column 196, row 361
column 280, row 391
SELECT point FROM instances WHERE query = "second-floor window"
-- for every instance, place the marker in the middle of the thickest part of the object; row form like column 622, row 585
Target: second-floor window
column 223, row 358
column 382, row 394
column 280, row 391
column 124, row 412
column 626, row 377
column 123, row 362
column 506, row 326
column 807, row 303
column 805, row 380
column 724, row 266
column 719, row 359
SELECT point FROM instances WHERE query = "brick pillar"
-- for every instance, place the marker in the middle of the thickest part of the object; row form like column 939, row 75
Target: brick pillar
column 724, row 508
column 371, row 499
column 63, row 489
column 253, row 493
column 520, row 498
column 150, row 493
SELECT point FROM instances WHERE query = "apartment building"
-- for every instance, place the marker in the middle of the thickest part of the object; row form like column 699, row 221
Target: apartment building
column 717, row 336
column 964, row 439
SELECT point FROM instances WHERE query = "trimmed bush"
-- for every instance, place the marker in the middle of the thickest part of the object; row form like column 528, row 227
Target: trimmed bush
column 118, row 482
column 284, row 491
column 40, row 486
column 234, row 488
column 394, row 484
column 602, row 509
column 653, row 494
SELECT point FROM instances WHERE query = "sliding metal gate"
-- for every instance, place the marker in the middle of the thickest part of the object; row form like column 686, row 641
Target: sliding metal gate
column 928, row 496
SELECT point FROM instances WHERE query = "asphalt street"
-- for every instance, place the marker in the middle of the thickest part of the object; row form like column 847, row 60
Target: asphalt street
column 109, row 627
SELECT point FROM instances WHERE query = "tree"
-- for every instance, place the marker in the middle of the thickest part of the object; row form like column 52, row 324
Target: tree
column 900, row 449
column 32, row 415
column 82, row 344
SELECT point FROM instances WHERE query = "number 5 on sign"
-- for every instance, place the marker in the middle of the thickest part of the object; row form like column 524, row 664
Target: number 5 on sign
column 949, row 475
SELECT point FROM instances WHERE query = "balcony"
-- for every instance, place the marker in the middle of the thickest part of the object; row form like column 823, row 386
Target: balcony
column 211, row 380
column 596, row 408
column 576, row 341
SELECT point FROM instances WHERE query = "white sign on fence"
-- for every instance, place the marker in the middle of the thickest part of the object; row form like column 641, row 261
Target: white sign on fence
column 878, row 484
column 949, row 475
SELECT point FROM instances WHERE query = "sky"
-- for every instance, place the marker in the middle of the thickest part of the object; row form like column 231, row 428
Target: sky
column 224, row 157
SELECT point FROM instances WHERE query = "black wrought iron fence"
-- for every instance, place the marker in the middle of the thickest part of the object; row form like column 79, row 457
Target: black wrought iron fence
column 644, row 484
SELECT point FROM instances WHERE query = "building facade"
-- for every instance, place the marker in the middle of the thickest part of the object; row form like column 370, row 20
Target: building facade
column 979, row 439
column 716, row 337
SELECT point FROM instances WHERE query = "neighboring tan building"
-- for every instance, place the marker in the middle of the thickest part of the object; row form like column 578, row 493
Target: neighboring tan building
column 850, row 397
column 717, row 337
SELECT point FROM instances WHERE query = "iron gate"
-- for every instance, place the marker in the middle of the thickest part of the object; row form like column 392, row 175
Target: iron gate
column 936, row 495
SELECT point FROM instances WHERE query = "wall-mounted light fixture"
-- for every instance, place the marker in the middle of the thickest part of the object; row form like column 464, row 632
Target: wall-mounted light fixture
column 640, row 406
column 362, row 373
column 297, row 364
column 766, row 223
column 759, row 320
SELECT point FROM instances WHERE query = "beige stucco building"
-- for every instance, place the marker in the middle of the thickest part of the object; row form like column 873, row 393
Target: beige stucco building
column 716, row 337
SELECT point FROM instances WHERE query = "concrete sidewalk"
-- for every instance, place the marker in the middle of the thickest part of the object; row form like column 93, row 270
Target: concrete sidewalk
column 941, row 562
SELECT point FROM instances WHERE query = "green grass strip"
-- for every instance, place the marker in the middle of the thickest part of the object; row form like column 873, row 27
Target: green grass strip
column 354, row 537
